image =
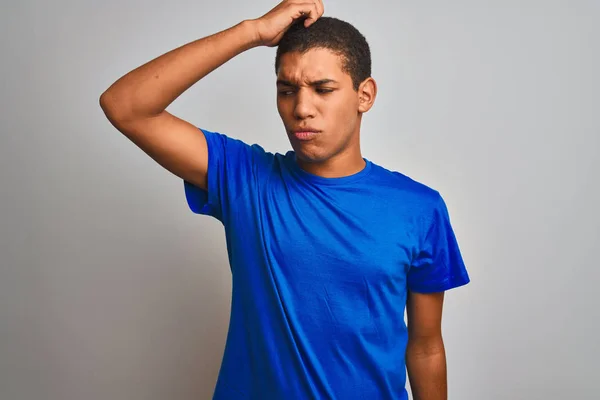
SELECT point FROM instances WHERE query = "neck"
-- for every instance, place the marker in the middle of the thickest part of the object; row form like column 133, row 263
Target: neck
column 343, row 164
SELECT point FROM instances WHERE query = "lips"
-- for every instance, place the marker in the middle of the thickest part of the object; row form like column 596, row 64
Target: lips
column 305, row 133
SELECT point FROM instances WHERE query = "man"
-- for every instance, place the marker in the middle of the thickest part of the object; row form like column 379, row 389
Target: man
column 326, row 248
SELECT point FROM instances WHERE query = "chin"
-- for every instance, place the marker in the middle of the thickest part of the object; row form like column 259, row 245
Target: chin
column 310, row 151
column 312, row 156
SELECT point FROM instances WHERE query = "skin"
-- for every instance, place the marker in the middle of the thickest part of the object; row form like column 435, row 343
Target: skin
column 136, row 106
column 425, row 352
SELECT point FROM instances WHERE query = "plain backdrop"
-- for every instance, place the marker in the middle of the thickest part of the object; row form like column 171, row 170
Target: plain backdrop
column 111, row 289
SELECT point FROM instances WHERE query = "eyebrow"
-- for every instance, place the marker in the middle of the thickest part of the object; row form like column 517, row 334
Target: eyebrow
column 313, row 83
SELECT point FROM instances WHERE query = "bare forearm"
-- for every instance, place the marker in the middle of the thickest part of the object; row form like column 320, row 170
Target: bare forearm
column 149, row 89
column 426, row 365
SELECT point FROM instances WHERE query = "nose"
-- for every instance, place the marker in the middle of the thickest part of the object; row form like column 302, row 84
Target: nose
column 304, row 107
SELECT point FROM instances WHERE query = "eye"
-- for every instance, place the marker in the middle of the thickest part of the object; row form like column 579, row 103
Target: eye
column 322, row 90
column 286, row 92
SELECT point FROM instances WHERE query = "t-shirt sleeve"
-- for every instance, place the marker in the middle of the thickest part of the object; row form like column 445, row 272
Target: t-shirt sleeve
column 438, row 265
column 230, row 174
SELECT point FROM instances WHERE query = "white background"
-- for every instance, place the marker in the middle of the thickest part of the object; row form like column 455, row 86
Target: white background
column 110, row 288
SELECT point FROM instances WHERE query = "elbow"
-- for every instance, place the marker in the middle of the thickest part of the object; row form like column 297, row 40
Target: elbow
column 114, row 109
column 108, row 98
column 107, row 104
column 104, row 103
column 428, row 346
column 103, row 100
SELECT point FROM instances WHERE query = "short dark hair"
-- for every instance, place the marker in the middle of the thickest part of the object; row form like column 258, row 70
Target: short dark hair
column 332, row 34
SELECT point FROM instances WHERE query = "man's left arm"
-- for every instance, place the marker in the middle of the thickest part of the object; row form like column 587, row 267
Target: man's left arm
column 425, row 353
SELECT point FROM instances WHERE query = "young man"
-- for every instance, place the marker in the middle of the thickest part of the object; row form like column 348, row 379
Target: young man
column 326, row 248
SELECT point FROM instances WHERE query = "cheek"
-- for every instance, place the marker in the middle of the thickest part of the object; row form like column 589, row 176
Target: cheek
column 344, row 112
column 283, row 110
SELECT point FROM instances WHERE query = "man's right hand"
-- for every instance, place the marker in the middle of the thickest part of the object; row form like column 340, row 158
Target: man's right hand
column 271, row 27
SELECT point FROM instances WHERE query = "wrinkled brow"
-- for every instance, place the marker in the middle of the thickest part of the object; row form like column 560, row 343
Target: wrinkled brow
column 284, row 82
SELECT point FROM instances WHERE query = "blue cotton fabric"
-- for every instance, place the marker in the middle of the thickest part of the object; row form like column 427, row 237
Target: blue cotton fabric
column 321, row 268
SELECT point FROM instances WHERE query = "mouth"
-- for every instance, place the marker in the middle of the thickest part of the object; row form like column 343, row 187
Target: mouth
column 305, row 134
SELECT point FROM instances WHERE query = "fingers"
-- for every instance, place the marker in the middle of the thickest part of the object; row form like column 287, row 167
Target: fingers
column 320, row 7
column 318, row 3
column 311, row 10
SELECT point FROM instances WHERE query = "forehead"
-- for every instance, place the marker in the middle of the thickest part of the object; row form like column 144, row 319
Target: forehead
column 315, row 64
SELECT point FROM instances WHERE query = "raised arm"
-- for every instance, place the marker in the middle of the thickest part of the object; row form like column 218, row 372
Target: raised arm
column 136, row 103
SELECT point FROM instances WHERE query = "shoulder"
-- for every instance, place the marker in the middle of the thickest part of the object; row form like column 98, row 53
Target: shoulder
column 406, row 187
column 223, row 145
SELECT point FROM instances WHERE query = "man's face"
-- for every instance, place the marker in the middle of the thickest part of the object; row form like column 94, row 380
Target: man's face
column 314, row 94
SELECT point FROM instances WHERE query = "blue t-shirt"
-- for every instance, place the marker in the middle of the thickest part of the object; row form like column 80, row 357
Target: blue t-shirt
column 321, row 269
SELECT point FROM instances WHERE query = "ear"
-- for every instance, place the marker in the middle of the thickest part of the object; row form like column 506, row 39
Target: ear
column 367, row 91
